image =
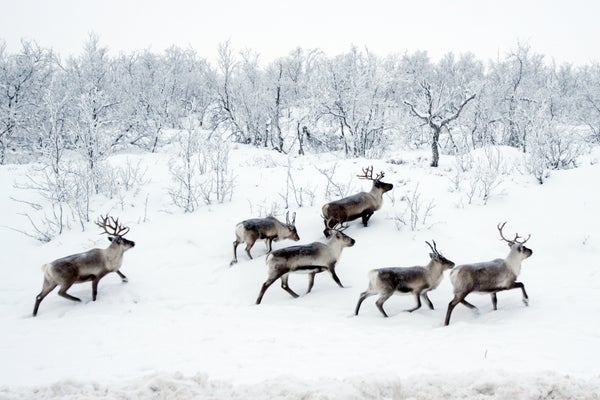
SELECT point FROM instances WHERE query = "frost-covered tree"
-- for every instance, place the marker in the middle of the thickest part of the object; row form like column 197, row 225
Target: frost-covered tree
column 92, row 124
column 438, row 101
column 242, row 101
column 356, row 99
column 23, row 78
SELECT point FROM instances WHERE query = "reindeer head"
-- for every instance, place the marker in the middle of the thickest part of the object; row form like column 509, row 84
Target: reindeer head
column 336, row 233
column 515, row 244
column 436, row 256
column 368, row 174
column 117, row 233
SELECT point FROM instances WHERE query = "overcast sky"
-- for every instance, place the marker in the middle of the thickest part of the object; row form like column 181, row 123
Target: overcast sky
column 566, row 31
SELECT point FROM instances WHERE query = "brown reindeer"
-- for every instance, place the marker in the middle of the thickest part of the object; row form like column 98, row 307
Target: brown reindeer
column 416, row 280
column 269, row 228
column 360, row 205
column 490, row 276
column 91, row 265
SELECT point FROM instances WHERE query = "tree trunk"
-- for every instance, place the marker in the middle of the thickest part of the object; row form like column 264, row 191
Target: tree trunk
column 435, row 153
column 300, row 138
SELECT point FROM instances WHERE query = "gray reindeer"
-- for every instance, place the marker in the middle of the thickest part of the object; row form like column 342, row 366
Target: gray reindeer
column 490, row 276
column 91, row 265
column 269, row 229
column 308, row 259
column 360, row 205
column 416, row 280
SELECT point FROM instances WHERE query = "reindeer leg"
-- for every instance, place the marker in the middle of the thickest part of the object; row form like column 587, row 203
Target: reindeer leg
column 284, row 285
column 429, row 303
column 272, row 278
column 418, row 298
column 47, row 287
column 95, row 285
column 269, row 244
column 494, row 301
column 458, row 298
column 235, row 260
column 520, row 285
column 249, row 245
column 63, row 292
column 366, row 215
column 381, row 300
column 362, row 297
column 311, row 281
column 469, row 305
column 122, row 275
column 334, row 275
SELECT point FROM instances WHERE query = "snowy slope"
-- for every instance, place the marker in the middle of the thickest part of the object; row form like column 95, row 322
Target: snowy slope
column 185, row 326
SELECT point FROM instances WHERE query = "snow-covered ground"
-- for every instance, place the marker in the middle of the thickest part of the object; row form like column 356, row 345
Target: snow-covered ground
column 186, row 326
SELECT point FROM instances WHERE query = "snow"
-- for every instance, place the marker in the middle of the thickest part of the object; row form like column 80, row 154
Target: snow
column 186, row 326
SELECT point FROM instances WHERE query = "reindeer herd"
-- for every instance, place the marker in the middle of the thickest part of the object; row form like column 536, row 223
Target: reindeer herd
column 485, row 277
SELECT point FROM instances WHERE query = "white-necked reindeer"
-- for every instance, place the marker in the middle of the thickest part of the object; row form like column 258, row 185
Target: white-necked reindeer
column 416, row 280
column 360, row 205
column 269, row 228
column 308, row 259
column 91, row 265
column 490, row 276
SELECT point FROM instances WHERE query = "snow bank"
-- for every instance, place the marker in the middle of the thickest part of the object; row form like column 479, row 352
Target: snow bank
column 177, row 386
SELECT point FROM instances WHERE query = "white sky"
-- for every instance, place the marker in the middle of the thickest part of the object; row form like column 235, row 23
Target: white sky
column 566, row 31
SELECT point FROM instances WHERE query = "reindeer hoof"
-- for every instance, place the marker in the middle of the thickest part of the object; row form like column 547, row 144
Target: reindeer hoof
column 526, row 302
column 124, row 280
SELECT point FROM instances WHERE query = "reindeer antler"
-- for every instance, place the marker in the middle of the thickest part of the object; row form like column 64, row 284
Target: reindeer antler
column 340, row 227
column 515, row 240
column 287, row 218
column 368, row 174
column 433, row 248
column 117, row 229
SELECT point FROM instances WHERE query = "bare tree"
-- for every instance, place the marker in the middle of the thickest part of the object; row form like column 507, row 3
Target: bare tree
column 437, row 116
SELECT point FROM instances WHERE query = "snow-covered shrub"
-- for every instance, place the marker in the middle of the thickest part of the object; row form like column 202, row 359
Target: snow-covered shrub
column 302, row 195
column 552, row 149
column 478, row 174
column 186, row 169
column 416, row 213
column 333, row 188
column 218, row 182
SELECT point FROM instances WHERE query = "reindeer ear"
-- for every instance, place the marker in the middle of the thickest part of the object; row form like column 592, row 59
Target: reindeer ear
column 431, row 255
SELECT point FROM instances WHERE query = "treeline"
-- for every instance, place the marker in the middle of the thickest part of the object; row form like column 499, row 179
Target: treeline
column 356, row 102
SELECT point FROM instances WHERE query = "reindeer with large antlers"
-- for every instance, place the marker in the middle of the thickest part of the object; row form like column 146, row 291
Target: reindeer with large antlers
column 360, row 205
column 490, row 276
column 91, row 265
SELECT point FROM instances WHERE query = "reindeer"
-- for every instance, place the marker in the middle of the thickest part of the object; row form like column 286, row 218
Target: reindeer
column 270, row 229
column 91, row 265
column 310, row 258
column 416, row 280
column 361, row 205
column 491, row 276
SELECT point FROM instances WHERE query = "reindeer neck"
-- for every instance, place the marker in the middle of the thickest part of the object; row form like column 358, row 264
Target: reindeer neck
column 513, row 262
column 114, row 252
column 335, row 247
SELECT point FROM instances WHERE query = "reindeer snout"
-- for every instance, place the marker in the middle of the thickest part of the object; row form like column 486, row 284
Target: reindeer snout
column 352, row 241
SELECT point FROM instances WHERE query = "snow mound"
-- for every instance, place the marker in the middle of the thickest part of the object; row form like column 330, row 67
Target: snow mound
column 500, row 385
